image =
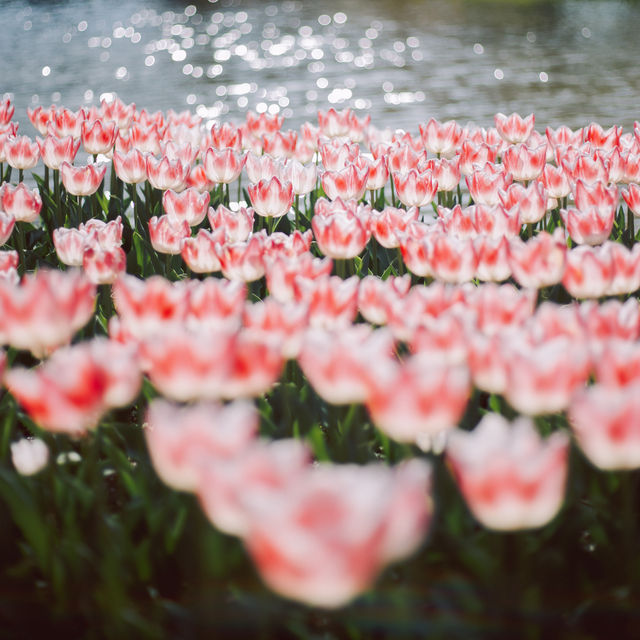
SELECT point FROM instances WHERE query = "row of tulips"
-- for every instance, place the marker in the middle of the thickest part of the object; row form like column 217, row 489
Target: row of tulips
column 313, row 298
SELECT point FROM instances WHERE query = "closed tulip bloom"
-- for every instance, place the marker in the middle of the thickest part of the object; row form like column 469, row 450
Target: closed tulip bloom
column 45, row 309
column 605, row 420
column 186, row 365
column 493, row 265
column 590, row 226
column 442, row 138
column 541, row 378
column 130, row 167
column 29, row 456
column 348, row 183
column 20, row 202
column 40, row 118
column 146, row 138
column 286, row 321
column 540, row 261
column 416, row 400
column 632, row 198
column 452, row 259
column 7, row 223
column 71, row 391
column 302, row 178
column 98, row 136
column 237, row 225
column 197, row 179
column 555, row 181
column 55, row 151
column 200, row 253
column 376, row 297
column 223, row 166
column 472, row 154
column 70, row 245
column 9, row 268
column 323, row 539
column 389, row 224
column 164, row 174
column 103, row 265
column 214, row 303
column 67, row 123
column 403, row 159
column 524, row 163
column 486, row 183
column 271, row 198
column 291, row 245
column 332, row 301
column 168, row 234
column 82, row 181
column 510, row 478
column 415, row 189
column 262, row 167
column 21, row 152
column 584, row 167
column 254, row 366
column 280, row 144
column 243, row 260
column 263, row 123
column 282, row 272
column 337, row 153
column 340, row 236
column 184, row 440
column 514, row 128
column 334, row 123
column 148, row 306
column 531, row 201
column 189, row 205
column 338, row 363
column 7, row 110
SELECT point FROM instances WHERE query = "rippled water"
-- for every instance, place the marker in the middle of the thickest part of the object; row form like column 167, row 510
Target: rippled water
column 570, row 62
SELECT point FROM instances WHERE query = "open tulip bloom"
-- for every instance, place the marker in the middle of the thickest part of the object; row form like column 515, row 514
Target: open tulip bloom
column 159, row 338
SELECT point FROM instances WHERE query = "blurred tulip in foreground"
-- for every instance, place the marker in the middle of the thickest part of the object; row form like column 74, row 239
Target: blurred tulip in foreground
column 29, row 456
column 510, row 478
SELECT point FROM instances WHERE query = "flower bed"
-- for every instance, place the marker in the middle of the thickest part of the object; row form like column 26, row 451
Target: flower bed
column 391, row 378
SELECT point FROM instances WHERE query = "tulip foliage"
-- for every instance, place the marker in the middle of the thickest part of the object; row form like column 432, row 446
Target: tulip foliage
column 322, row 381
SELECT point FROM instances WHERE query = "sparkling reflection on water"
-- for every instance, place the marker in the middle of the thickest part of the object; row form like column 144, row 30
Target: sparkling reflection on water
column 570, row 62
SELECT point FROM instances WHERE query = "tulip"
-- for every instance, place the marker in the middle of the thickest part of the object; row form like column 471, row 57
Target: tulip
column 261, row 124
column 390, row 223
column 164, row 174
column 55, row 151
column 334, row 123
column 71, row 391
column 148, row 306
column 539, row 262
column 82, row 181
column 215, row 303
column 262, row 167
column 21, row 153
column 340, row 236
column 7, row 223
column 98, row 136
column 271, row 198
column 237, row 225
column 337, row 363
column 130, row 167
column 45, row 310
column 415, row 189
column 19, row 202
column 184, row 441
column 416, row 400
column 441, row 139
column 146, row 138
column 243, row 260
column 103, row 265
column 188, row 205
column 332, row 301
column 282, row 272
column 280, row 145
column 67, row 123
column 348, row 183
column 200, row 253
column 510, row 478
column 168, row 234
column 513, row 128
column 376, row 297
column 223, row 166
column 286, row 321
column 29, row 456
